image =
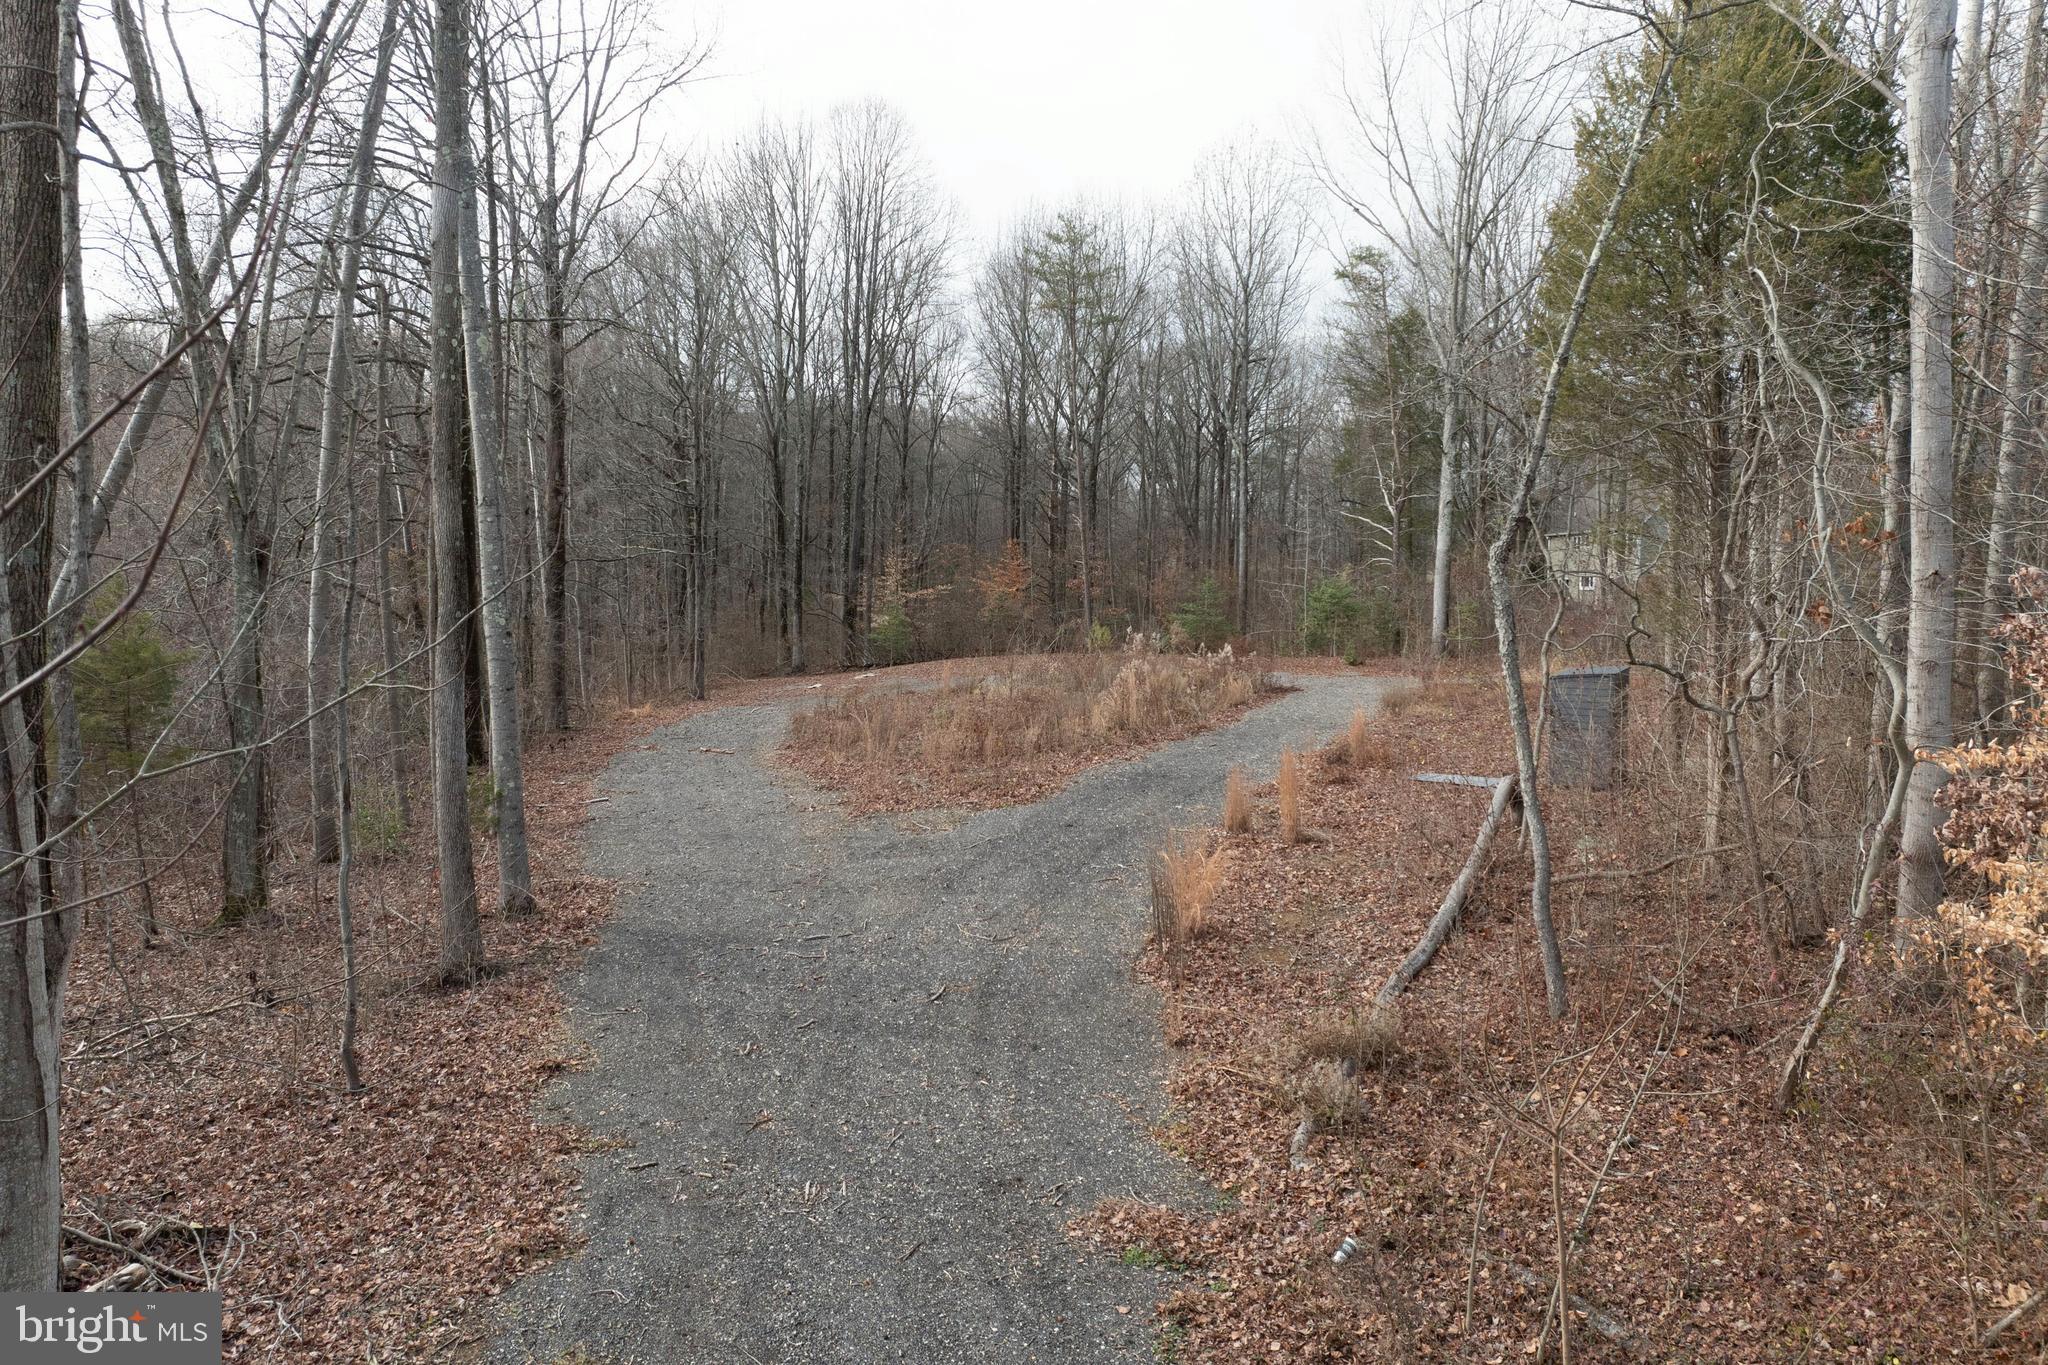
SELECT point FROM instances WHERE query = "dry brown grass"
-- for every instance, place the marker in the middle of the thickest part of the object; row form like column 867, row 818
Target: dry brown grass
column 1356, row 752
column 981, row 739
column 1185, row 878
column 1237, row 803
column 1399, row 701
column 1440, row 700
column 1365, row 1038
column 1290, row 797
column 1369, row 752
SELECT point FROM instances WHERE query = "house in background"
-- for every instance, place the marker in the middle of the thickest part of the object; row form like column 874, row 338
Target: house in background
column 1591, row 541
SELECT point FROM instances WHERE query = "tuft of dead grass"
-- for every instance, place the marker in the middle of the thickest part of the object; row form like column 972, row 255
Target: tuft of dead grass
column 1290, row 797
column 1237, row 803
column 1362, row 1039
column 1397, row 702
column 1186, row 875
column 1370, row 752
column 993, row 738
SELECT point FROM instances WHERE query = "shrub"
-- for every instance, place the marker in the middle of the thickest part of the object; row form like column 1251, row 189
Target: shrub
column 1360, row 1039
column 1099, row 638
column 890, row 638
column 127, row 695
column 1468, row 625
column 1381, row 631
column 1333, row 614
column 1202, row 620
column 1328, row 1094
column 1290, row 797
column 1237, row 803
column 378, row 835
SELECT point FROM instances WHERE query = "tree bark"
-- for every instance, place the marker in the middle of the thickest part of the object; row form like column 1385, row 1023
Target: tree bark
column 387, row 630
column 462, row 942
column 1446, row 496
column 554, row 504
column 35, row 939
column 66, row 861
column 1931, row 579
column 501, row 656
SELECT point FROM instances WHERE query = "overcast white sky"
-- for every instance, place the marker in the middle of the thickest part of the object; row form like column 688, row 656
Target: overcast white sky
column 1022, row 104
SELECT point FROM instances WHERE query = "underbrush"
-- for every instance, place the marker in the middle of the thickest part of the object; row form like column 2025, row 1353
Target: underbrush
column 1457, row 1149
column 1016, row 733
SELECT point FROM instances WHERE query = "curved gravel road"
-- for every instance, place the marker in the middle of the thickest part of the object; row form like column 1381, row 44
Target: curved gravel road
column 868, row 1068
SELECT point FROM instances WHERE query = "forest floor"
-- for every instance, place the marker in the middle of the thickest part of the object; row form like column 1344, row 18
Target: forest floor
column 766, row 1081
column 206, row 1127
column 849, row 1078
column 205, row 1120
column 1879, row 1221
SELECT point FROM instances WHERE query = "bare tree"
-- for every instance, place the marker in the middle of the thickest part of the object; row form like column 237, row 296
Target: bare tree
column 1449, row 193
column 1239, row 257
column 323, row 682
column 775, row 203
column 581, row 86
column 1514, row 524
column 1931, row 577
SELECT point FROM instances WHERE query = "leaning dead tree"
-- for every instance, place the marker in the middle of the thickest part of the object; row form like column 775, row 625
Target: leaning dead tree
column 1515, row 520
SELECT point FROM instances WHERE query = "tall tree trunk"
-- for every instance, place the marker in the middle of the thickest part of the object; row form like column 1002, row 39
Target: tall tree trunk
column 462, row 940
column 1446, row 499
column 2018, row 433
column 387, row 629
column 66, row 860
column 501, row 656
column 36, row 940
column 554, row 652
column 1931, row 579
column 244, row 874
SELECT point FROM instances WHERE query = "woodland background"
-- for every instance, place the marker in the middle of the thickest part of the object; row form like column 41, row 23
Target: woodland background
column 419, row 398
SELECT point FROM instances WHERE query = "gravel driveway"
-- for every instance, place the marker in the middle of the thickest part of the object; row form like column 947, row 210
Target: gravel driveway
column 868, row 1068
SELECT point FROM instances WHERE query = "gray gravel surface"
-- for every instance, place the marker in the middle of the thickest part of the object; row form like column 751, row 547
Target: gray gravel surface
column 875, row 1064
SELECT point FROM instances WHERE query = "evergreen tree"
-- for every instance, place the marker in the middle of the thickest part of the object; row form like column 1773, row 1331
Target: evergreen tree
column 127, row 695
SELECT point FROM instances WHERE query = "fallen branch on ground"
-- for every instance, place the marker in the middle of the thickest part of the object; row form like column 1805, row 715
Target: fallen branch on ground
column 136, row 1259
column 2005, row 1324
column 1597, row 1318
column 1297, row 1146
column 1446, row 915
